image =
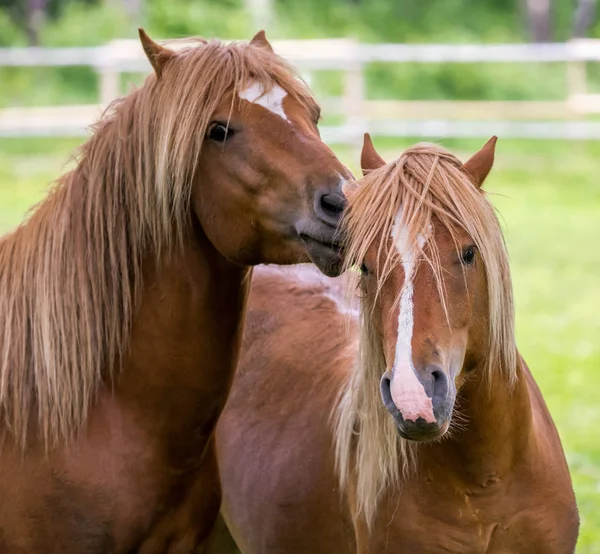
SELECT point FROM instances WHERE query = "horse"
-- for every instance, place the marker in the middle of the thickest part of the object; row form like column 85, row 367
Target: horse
column 404, row 421
column 123, row 296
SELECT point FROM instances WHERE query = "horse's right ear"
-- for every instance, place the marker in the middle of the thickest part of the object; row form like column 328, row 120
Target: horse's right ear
column 369, row 158
column 157, row 55
column 260, row 40
column 480, row 164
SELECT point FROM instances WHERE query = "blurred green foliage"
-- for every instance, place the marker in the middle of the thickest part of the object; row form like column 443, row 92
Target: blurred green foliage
column 89, row 22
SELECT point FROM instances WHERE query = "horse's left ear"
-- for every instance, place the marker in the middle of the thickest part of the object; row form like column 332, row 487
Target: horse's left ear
column 480, row 164
column 157, row 55
column 260, row 40
column 369, row 158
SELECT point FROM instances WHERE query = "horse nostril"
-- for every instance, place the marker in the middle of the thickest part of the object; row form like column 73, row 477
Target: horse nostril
column 386, row 392
column 332, row 205
column 440, row 386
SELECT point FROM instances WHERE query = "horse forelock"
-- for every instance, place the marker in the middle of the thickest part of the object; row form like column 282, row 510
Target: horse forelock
column 71, row 275
column 425, row 185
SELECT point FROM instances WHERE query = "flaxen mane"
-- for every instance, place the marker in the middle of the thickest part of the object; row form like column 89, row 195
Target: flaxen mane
column 71, row 276
column 425, row 182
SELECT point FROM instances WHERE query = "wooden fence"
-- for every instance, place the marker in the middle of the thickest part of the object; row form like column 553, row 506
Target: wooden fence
column 570, row 118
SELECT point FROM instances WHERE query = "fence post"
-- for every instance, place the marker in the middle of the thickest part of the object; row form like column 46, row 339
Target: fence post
column 108, row 75
column 354, row 97
column 576, row 76
column 109, row 85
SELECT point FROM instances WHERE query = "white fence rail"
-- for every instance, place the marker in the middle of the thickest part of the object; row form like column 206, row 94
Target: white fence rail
column 568, row 118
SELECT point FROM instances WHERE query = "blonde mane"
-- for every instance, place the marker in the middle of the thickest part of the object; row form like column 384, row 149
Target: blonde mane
column 426, row 182
column 71, row 276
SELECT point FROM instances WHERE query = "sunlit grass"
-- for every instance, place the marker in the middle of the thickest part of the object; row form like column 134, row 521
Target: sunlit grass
column 548, row 194
column 27, row 168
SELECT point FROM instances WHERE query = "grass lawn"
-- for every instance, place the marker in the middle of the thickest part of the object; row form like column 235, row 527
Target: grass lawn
column 548, row 194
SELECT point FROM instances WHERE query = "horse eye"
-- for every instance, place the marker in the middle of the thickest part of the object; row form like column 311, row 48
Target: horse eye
column 468, row 255
column 219, row 132
column 363, row 270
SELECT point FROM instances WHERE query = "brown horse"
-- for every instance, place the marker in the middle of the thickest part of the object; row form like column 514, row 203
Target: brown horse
column 122, row 298
column 469, row 461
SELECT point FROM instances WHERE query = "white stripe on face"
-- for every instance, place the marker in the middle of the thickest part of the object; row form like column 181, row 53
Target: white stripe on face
column 272, row 100
column 407, row 391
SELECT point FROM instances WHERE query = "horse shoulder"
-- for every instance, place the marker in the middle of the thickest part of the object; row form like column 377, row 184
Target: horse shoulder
column 274, row 442
column 546, row 483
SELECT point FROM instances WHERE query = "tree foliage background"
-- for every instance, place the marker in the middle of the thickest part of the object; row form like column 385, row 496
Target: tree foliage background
column 94, row 22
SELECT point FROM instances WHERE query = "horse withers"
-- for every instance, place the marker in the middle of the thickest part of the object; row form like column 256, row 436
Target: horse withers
column 406, row 422
column 122, row 298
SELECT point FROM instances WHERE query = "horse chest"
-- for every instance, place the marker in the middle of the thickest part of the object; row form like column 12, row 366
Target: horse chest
column 118, row 489
column 154, row 427
column 501, row 518
column 422, row 524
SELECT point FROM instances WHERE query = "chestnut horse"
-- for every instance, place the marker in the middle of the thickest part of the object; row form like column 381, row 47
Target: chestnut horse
column 467, row 461
column 122, row 298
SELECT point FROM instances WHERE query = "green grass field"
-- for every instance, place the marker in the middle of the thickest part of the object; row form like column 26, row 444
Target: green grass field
column 548, row 194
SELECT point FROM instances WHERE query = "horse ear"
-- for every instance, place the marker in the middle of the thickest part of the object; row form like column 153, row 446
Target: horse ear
column 260, row 40
column 369, row 158
column 480, row 164
column 157, row 55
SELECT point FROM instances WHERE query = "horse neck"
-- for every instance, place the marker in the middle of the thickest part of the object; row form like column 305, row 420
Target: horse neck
column 495, row 425
column 186, row 336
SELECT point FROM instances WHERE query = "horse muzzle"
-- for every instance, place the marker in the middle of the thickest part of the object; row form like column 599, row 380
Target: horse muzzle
column 323, row 245
column 426, row 423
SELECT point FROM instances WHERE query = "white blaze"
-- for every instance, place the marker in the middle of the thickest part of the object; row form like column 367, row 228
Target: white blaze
column 407, row 391
column 272, row 99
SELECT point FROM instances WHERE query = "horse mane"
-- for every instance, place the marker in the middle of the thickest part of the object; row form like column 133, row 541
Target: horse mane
column 71, row 275
column 426, row 182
